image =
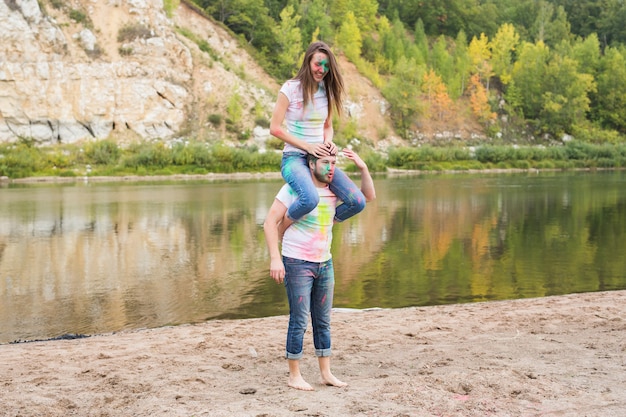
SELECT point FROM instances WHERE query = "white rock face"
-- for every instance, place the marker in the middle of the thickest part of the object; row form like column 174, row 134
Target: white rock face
column 55, row 88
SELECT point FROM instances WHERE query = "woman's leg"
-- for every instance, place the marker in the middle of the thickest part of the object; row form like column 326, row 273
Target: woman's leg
column 347, row 191
column 296, row 173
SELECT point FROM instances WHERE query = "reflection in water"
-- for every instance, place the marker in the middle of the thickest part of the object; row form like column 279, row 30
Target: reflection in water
column 98, row 258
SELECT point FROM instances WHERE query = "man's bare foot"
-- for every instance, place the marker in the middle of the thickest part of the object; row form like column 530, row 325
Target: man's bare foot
column 332, row 381
column 299, row 383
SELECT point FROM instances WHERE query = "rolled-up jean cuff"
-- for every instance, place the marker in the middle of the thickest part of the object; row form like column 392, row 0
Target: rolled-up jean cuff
column 293, row 356
column 321, row 353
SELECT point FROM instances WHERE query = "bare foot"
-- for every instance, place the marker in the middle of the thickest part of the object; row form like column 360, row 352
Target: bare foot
column 299, row 383
column 332, row 381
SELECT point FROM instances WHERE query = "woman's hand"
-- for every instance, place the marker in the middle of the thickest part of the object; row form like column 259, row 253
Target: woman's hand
column 332, row 148
column 323, row 149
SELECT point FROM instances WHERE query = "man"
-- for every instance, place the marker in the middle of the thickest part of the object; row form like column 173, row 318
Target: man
column 305, row 264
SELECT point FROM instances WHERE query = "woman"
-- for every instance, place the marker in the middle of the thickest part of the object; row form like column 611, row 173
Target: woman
column 306, row 103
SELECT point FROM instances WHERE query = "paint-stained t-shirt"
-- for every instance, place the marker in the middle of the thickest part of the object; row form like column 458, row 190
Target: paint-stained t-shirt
column 305, row 122
column 309, row 238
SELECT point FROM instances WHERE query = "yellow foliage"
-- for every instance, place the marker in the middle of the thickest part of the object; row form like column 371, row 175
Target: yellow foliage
column 437, row 95
column 479, row 101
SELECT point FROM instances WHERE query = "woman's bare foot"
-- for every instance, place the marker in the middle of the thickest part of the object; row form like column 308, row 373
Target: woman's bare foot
column 299, row 383
column 332, row 381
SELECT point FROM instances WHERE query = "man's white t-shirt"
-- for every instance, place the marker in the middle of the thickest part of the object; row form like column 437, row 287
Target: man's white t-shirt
column 304, row 122
column 309, row 238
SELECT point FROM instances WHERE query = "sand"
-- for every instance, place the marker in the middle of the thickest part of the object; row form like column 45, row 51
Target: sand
column 552, row 356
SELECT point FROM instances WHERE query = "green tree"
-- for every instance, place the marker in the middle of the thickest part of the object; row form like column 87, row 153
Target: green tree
column 421, row 41
column 440, row 17
column 587, row 53
column 566, row 95
column 481, row 18
column 364, row 12
column 274, row 7
column 247, row 17
column 349, row 37
column 315, row 17
column 462, row 65
column 612, row 30
column 393, row 42
column 528, row 71
column 583, row 15
column 610, row 110
column 402, row 93
column 289, row 41
column 502, row 47
column 543, row 17
column 558, row 29
column 441, row 60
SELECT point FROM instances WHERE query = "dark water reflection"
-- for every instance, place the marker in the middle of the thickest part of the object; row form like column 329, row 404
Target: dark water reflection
column 93, row 258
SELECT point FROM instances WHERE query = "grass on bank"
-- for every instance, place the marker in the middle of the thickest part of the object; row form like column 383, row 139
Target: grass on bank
column 107, row 158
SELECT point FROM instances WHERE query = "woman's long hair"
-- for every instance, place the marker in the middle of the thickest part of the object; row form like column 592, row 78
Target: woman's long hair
column 333, row 82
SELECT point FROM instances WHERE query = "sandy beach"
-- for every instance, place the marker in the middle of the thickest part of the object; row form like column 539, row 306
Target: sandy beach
column 552, row 356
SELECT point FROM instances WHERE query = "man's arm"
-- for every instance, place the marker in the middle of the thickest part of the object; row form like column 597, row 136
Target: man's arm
column 367, row 183
column 270, row 227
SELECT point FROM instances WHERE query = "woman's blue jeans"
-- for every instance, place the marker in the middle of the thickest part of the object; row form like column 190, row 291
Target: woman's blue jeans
column 296, row 173
column 310, row 287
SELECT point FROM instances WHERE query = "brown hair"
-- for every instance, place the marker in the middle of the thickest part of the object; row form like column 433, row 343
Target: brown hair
column 333, row 82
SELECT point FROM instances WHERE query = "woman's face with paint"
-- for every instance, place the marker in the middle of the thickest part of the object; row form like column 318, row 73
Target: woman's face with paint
column 319, row 66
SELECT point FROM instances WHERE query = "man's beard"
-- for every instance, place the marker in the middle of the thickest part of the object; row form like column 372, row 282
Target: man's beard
column 321, row 177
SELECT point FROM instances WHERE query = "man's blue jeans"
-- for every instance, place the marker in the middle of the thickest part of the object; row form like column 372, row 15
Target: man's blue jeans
column 310, row 287
column 296, row 173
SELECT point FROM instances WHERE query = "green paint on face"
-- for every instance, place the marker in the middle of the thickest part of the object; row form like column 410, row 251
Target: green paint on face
column 324, row 64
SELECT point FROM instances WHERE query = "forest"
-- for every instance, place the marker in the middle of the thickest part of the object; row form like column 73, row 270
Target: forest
column 529, row 71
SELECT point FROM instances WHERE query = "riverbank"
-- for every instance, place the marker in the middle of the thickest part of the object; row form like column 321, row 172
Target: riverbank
column 551, row 356
column 392, row 172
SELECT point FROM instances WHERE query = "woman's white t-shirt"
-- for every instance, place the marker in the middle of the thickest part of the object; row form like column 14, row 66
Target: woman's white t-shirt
column 304, row 122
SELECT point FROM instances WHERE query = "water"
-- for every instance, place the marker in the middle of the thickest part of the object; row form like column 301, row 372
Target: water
column 95, row 258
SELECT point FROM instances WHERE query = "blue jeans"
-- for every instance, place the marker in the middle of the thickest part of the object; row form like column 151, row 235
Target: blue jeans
column 296, row 173
column 310, row 287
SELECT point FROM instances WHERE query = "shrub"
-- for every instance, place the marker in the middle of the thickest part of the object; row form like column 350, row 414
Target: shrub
column 21, row 160
column 132, row 31
column 262, row 121
column 103, row 152
column 274, row 143
column 148, row 155
column 169, row 6
column 125, row 51
column 215, row 119
column 78, row 16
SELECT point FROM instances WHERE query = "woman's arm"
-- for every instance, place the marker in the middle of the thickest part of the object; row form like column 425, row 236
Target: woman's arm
column 329, row 134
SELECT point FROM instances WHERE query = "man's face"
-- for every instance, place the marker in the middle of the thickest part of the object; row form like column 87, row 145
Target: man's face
column 325, row 168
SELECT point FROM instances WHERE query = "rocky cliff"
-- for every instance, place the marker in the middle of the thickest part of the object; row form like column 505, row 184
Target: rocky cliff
column 119, row 68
